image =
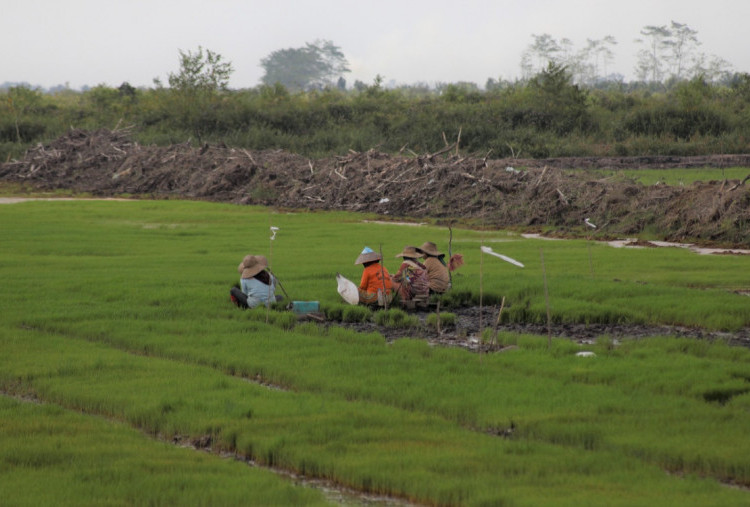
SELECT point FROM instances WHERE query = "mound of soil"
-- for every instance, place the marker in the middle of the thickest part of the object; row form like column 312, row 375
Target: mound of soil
column 527, row 193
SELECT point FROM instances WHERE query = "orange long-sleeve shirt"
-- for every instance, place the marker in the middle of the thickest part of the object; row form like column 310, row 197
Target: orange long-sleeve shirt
column 372, row 279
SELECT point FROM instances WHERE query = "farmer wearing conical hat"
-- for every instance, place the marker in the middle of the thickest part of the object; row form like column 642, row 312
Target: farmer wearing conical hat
column 257, row 284
column 375, row 279
column 411, row 280
column 437, row 271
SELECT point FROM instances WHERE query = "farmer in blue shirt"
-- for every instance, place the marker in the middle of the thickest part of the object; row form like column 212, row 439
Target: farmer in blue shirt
column 256, row 282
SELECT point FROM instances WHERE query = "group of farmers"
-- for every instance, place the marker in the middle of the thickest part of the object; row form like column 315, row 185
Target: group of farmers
column 423, row 271
column 414, row 280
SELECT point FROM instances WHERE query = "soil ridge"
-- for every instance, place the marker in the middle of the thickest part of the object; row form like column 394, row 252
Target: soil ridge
column 530, row 194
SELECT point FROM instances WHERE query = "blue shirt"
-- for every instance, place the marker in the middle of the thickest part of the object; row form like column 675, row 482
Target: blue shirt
column 258, row 292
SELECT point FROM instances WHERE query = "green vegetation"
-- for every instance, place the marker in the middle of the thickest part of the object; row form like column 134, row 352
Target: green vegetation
column 56, row 456
column 439, row 321
column 120, row 309
column 544, row 116
column 678, row 177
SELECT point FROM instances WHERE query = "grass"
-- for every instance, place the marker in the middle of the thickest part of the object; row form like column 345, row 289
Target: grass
column 121, row 310
column 676, row 177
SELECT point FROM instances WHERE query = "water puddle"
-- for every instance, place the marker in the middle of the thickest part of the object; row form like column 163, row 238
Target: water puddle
column 639, row 243
column 635, row 243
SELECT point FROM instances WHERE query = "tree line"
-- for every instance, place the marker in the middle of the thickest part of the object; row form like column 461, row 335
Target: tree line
column 550, row 113
column 668, row 54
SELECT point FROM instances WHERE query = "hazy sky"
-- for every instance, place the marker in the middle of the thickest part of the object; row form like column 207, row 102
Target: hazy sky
column 87, row 42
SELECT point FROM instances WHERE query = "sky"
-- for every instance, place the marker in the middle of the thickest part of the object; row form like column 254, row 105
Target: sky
column 107, row 42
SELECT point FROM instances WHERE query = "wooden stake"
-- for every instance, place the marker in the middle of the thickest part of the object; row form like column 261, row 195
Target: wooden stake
column 481, row 285
column 497, row 322
column 382, row 277
column 270, row 256
column 450, row 251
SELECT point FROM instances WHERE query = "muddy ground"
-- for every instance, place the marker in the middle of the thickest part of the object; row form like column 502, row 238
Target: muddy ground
column 512, row 193
column 532, row 195
column 465, row 333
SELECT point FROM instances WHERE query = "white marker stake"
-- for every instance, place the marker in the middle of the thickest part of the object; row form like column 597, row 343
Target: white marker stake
column 488, row 250
column 270, row 257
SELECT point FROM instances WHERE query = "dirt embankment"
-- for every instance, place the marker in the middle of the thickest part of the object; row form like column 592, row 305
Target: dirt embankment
column 527, row 193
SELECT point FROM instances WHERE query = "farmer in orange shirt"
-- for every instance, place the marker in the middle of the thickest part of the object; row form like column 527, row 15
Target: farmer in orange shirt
column 375, row 287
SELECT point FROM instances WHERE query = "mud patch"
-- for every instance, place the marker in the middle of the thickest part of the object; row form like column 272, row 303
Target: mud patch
column 465, row 333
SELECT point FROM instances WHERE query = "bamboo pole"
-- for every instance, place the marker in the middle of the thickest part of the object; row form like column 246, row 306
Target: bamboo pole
column 382, row 278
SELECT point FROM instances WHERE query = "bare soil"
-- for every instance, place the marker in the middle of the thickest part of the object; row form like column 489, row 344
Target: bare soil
column 528, row 194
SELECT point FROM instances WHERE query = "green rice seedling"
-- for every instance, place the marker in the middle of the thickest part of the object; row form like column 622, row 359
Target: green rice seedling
column 396, row 318
column 310, row 329
column 356, row 314
column 334, row 311
column 53, row 456
column 284, row 320
column 455, row 298
column 446, row 319
column 507, row 339
column 136, row 339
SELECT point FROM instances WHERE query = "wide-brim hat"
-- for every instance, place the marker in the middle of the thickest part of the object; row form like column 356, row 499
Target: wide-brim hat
column 367, row 255
column 429, row 248
column 409, row 251
column 252, row 265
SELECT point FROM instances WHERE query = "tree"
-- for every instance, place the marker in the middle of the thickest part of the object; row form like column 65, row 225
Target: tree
column 21, row 101
column 201, row 72
column 652, row 59
column 683, row 42
column 542, row 51
column 560, row 104
column 195, row 90
column 583, row 65
column 316, row 65
column 714, row 69
column 672, row 55
column 597, row 55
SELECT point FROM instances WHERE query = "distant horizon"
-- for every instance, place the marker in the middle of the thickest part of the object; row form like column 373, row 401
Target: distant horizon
column 406, row 42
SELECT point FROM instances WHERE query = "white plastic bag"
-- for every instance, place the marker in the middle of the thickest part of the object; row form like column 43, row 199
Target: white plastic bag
column 348, row 290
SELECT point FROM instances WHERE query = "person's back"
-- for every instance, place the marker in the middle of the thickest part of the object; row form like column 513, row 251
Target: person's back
column 375, row 278
column 258, row 285
column 437, row 272
column 440, row 279
column 257, row 291
column 412, row 279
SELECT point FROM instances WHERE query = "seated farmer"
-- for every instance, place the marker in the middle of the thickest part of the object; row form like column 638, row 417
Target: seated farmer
column 411, row 280
column 437, row 271
column 257, row 284
column 376, row 280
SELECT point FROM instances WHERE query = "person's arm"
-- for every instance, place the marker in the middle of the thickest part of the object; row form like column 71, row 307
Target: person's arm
column 365, row 280
column 397, row 277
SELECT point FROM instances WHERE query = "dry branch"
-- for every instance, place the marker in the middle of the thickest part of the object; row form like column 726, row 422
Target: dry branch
column 740, row 183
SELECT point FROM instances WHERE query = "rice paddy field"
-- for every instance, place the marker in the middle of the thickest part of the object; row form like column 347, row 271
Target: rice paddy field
column 128, row 377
